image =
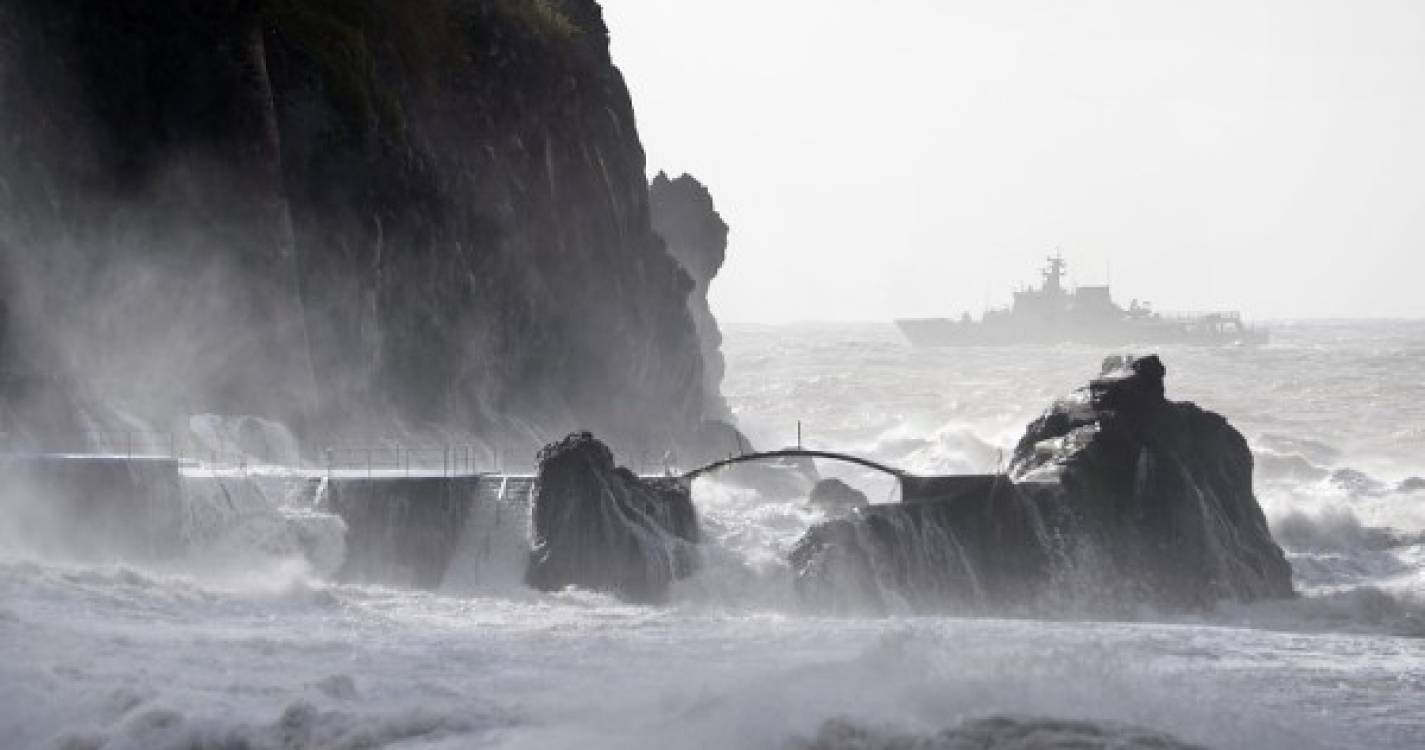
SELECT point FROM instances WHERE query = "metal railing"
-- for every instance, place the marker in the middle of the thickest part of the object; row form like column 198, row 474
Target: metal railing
column 1189, row 316
column 450, row 460
column 384, row 458
column 127, row 443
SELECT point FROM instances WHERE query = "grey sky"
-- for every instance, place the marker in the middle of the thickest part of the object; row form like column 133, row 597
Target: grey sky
column 920, row 157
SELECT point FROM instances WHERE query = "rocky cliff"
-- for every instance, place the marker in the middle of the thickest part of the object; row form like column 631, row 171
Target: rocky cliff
column 1116, row 497
column 685, row 217
column 361, row 217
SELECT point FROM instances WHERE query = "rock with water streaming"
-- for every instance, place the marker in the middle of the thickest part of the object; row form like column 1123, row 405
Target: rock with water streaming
column 837, row 497
column 601, row 527
column 1166, row 488
column 1115, row 495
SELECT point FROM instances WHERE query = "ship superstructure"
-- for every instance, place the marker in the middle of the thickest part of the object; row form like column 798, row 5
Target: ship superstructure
column 1055, row 313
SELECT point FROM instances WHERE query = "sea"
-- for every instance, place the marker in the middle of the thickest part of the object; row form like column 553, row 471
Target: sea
column 247, row 641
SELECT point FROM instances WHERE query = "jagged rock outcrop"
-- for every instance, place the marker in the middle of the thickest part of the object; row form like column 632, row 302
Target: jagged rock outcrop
column 1168, row 482
column 837, row 497
column 1115, row 496
column 601, row 527
column 356, row 217
column 685, row 217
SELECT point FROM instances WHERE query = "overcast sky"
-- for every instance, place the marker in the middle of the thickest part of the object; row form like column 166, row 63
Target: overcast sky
column 921, row 157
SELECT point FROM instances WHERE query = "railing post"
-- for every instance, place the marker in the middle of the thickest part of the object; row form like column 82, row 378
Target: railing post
column 129, row 443
column 368, row 462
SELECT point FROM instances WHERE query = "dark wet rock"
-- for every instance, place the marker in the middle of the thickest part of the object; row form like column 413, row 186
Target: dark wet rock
column 994, row 733
column 685, row 217
column 1165, row 487
column 1115, row 495
column 1411, row 484
column 837, row 497
column 599, row 526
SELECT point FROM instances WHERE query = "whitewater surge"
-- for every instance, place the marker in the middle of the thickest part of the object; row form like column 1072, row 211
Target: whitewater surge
column 248, row 636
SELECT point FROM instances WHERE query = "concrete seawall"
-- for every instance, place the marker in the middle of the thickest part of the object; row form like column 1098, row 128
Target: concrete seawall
column 406, row 531
column 93, row 507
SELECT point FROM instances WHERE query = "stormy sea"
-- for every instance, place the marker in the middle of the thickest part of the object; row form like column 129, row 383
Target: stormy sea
column 250, row 639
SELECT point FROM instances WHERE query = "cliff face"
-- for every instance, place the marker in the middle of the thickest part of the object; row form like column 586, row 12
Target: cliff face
column 359, row 217
column 684, row 216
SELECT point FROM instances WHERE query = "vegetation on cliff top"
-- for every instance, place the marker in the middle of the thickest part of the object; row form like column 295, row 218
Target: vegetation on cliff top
column 340, row 41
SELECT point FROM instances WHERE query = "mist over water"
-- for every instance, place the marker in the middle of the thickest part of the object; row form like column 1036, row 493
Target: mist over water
column 246, row 637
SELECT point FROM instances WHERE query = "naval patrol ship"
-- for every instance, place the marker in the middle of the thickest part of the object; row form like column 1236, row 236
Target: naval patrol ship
column 1054, row 313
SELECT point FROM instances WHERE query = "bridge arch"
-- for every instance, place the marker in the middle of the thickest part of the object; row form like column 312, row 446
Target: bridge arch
column 794, row 452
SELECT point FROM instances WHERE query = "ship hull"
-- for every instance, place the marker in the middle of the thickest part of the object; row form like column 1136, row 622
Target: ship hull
column 945, row 332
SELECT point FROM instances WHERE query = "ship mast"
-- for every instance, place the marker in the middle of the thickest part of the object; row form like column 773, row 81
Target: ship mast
column 1054, row 273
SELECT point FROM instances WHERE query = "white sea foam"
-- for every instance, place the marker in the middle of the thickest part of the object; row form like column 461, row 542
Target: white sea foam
column 245, row 639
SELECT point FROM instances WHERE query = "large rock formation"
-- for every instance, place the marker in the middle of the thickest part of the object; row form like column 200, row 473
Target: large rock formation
column 1115, row 496
column 357, row 217
column 601, row 527
column 685, row 217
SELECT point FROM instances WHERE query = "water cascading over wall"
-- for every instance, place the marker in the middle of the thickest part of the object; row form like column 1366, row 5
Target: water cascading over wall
column 432, row 532
column 92, row 507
